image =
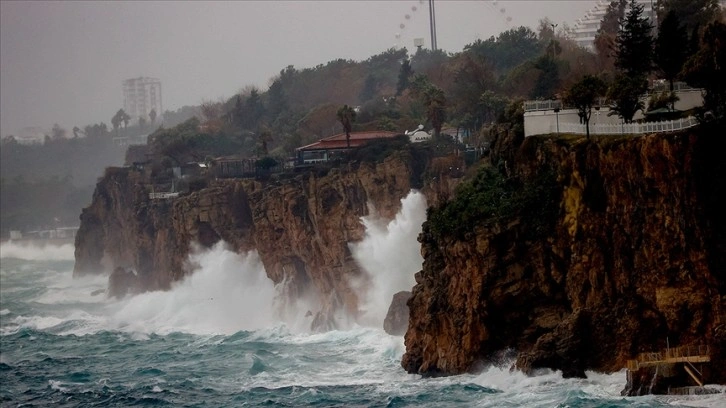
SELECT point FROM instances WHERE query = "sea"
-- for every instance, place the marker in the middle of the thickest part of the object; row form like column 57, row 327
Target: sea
column 227, row 337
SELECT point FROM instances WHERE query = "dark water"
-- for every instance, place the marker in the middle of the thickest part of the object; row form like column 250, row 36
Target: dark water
column 209, row 343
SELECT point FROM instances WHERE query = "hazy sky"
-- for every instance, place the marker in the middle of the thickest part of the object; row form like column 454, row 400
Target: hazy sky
column 63, row 61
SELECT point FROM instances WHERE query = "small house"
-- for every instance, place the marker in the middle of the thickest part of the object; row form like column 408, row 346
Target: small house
column 335, row 146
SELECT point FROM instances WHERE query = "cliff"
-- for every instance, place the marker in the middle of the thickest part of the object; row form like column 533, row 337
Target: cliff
column 300, row 224
column 634, row 258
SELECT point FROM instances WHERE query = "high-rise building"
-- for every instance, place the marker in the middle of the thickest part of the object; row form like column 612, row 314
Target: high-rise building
column 585, row 28
column 141, row 95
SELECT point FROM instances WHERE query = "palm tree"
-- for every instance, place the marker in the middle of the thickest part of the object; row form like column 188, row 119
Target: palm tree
column 346, row 116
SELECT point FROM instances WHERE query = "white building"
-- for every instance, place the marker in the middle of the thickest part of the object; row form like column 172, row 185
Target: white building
column 585, row 28
column 141, row 95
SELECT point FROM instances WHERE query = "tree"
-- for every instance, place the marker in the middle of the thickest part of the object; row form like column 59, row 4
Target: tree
column 117, row 119
column 76, row 129
column 404, row 76
column 370, row 85
column 435, row 103
column 265, row 137
column 346, row 115
column 152, row 116
column 58, row 132
column 583, row 96
column 707, row 68
column 605, row 38
column 671, row 47
column 126, row 118
column 625, row 93
column 693, row 14
column 509, row 49
column 548, row 80
column 493, row 105
column 634, row 42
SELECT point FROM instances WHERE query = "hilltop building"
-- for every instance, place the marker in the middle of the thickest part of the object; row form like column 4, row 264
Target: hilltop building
column 332, row 147
column 141, row 95
column 585, row 28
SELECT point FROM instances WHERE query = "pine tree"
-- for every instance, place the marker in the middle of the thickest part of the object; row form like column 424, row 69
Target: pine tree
column 635, row 43
column 671, row 47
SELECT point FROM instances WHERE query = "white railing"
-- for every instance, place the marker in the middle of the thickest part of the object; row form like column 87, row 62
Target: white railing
column 628, row 128
column 677, row 86
column 157, row 196
column 542, row 105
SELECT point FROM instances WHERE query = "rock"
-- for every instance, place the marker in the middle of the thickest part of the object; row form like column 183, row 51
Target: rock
column 396, row 321
column 634, row 257
column 122, row 282
column 300, row 226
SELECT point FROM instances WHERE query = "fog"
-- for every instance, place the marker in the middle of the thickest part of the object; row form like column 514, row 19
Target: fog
column 63, row 62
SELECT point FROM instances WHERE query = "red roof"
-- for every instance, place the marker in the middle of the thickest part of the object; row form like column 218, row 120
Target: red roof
column 357, row 139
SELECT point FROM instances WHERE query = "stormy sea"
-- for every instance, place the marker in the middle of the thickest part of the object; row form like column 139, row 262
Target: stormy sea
column 226, row 336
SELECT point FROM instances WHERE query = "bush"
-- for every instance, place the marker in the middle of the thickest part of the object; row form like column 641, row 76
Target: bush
column 377, row 150
column 490, row 198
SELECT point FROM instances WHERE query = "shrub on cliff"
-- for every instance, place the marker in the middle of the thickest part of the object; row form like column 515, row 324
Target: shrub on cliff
column 377, row 150
column 490, row 198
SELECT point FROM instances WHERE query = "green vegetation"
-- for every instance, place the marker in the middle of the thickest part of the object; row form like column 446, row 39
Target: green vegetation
column 377, row 150
column 490, row 198
column 583, row 95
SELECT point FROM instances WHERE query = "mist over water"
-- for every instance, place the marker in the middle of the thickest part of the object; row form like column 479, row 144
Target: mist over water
column 37, row 252
column 390, row 255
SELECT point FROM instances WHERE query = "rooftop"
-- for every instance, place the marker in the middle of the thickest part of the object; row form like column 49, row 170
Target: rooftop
column 357, row 139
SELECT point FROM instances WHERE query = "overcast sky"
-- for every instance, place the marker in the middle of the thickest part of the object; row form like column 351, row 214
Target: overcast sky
column 63, row 61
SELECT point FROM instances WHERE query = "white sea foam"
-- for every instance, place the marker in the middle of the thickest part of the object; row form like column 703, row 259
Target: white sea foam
column 229, row 292
column 36, row 252
column 57, row 385
column 390, row 255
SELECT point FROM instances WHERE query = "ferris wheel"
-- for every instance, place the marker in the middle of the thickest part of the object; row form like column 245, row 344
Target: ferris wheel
column 416, row 12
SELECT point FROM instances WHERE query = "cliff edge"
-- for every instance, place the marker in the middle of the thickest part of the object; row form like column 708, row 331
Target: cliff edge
column 300, row 225
column 595, row 250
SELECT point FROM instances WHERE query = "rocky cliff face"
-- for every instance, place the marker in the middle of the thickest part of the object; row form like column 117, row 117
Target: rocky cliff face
column 299, row 226
column 635, row 259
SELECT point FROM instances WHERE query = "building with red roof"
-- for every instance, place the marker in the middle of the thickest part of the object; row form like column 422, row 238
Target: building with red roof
column 335, row 146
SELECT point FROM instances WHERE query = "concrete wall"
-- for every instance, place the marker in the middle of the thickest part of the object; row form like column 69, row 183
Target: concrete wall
column 545, row 121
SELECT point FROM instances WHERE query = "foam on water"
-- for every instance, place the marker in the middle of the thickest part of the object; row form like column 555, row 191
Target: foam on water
column 234, row 344
column 36, row 252
column 227, row 293
column 390, row 255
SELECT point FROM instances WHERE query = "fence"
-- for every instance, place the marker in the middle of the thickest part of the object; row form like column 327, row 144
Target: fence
column 165, row 195
column 629, row 128
column 542, row 105
column 700, row 353
column 677, row 86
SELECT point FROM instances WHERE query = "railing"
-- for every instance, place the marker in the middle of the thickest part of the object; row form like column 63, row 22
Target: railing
column 671, row 355
column 165, row 195
column 542, row 105
column 629, row 128
column 677, row 86
column 687, row 351
column 551, row 104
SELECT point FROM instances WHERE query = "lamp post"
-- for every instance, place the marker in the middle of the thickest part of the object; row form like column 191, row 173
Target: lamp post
column 552, row 41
